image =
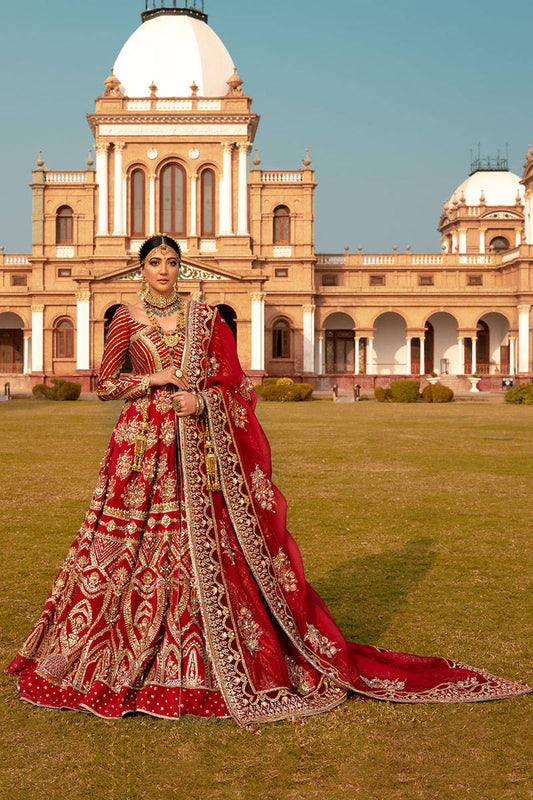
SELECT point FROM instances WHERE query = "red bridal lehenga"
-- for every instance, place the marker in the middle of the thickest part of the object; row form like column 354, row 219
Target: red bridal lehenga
column 177, row 600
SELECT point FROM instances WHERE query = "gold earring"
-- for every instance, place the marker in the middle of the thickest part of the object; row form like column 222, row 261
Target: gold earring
column 143, row 291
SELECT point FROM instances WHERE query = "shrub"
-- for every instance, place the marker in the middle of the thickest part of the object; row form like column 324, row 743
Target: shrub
column 269, row 381
column 405, row 391
column 284, row 382
column 61, row 390
column 437, row 393
column 382, row 395
column 522, row 395
column 286, row 393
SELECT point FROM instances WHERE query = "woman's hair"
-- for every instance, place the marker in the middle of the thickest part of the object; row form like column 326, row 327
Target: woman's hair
column 156, row 241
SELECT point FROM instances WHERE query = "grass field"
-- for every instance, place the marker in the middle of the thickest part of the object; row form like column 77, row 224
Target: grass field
column 415, row 526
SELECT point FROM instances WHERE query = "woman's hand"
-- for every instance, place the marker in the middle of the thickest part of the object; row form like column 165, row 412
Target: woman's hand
column 184, row 403
column 169, row 376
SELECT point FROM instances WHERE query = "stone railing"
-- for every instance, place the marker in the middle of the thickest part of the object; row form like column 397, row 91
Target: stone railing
column 281, row 176
column 410, row 260
column 66, row 177
column 14, row 259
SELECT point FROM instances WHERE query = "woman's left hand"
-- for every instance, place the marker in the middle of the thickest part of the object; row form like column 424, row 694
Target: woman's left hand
column 184, row 403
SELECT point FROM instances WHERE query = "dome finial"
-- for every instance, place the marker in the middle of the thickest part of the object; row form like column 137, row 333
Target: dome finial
column 256, row 160
column 153, row 89
column 90, row 162
column 112, row 85
column 40, row 162
column 194, row 88
column 235, row 83
column 306, row 161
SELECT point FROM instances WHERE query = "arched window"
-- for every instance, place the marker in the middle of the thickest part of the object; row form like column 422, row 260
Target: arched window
column 173, row 200
column 281, row 341
column 499, row 244
column 207, row 188
column 64, row 338
column 64, row 226
column 282, row 225
column 137, row 203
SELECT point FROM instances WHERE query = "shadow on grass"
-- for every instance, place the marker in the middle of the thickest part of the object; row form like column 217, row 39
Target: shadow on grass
column 364, row 594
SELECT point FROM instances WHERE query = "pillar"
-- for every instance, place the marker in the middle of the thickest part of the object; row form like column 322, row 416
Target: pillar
column 461, row 352
column 422, row 369
column 258, row 330
column 242, row 220
column 151, row 205
column 226, row 190
column 523, row 338
column 474, row 355
column 308, row 327
column 27, row 353
column 37, row 338
column 320, row 367
column 512, row 355
column 482, row 241
column 118, row 213
column 194, row 181
column 462, row 241
column 408, row 358
column 357, row 361
column 103, row 189
column 82, row 330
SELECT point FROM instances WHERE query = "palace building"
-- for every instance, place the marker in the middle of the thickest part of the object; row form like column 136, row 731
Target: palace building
column 173, row 139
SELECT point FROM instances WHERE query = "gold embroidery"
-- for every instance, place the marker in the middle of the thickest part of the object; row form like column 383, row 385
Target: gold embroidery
column 285, row 574
column 238, row 413
column 249, row 629
column 321, row 643
column 262, row 489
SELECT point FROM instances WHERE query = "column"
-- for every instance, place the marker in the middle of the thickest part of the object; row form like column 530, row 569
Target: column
column 474, row 355
column 512, row 355
column 194, row 180
column 226, row 190
column 422, row 369
column 529, row 218
column 357, row 361
column 462, row 241
column 242, row 227
column 408, row 355
column 27, row 353
column 461, row 354
column 258, row 330
column 320, row 353
column 151, row 205
column 125, row 203
column 118, row 215
column 103, row 190
column 454, row 242
column 482, row 241
column 370, row 356
column 523, row 338
column 82, row 330
column 518, row 238
column 308, row 328
column 37, row 338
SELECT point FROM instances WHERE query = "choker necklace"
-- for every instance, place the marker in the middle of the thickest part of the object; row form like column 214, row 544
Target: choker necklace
column 163, row 305
column 170, row 338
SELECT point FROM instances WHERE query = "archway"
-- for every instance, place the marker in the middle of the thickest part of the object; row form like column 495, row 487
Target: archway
column 493, row 349
column 229, row 315
column 11, row 343
column 441, row 347
column 339, row 334
column 390, row 348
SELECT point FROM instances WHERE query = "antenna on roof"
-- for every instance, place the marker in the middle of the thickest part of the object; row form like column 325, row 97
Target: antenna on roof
column 496, row 163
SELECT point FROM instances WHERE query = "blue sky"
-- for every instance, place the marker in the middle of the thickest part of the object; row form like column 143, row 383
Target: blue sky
column 388, row 96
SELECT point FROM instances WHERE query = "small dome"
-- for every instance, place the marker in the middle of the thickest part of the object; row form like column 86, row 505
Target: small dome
column 498, row 187
column 173, row 52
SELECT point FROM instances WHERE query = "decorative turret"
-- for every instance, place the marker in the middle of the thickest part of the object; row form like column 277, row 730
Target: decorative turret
column 235, row 83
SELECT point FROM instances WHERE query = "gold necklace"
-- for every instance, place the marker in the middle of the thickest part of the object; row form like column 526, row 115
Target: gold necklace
column 170, row 338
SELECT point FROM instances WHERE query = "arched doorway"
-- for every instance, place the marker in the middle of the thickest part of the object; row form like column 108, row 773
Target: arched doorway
column 441, row 349
column 229, row 315
column 127, row 366
column 390, row 347
column 339, row 335
column 11, row 343
column 494, row 350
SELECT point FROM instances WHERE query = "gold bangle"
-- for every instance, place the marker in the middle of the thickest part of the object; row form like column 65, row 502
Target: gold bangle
column 200, row 405
column 145, row 383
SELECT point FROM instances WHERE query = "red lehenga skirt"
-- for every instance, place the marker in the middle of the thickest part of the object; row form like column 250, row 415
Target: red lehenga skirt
column 178, row 600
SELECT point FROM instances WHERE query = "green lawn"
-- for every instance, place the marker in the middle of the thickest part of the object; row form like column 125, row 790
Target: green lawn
column 415, row 526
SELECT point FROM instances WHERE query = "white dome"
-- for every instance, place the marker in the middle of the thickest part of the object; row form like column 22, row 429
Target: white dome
column 499, row 188
column 173, row 52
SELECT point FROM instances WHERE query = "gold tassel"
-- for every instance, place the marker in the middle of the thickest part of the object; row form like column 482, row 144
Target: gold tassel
column 211, row 466
column 140, row 443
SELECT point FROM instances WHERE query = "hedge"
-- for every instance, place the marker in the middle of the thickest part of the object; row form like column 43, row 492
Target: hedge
column 286, row 393
column 437, row 393
column 382, row 395
column 405, row 391
column 60, row 390
column 520, row 395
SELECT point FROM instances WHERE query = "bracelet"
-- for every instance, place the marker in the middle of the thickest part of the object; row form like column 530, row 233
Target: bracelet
column 145, row 383
column 200, row 405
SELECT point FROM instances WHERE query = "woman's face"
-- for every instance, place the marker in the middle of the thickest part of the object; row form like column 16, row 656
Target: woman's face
column 161, row 271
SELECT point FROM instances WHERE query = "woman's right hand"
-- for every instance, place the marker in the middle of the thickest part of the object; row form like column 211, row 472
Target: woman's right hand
column 169, row 376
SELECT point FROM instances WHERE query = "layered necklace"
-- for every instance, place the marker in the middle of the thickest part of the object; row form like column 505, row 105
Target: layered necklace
column 164, row 306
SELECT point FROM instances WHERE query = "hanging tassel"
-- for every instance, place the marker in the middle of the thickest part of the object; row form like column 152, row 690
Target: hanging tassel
column 211, row 466
column 140, row 443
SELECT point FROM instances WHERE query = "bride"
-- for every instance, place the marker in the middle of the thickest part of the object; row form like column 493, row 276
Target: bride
column 183, row 592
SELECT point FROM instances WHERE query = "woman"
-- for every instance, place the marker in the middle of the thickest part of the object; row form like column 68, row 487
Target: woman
column 183, row 592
